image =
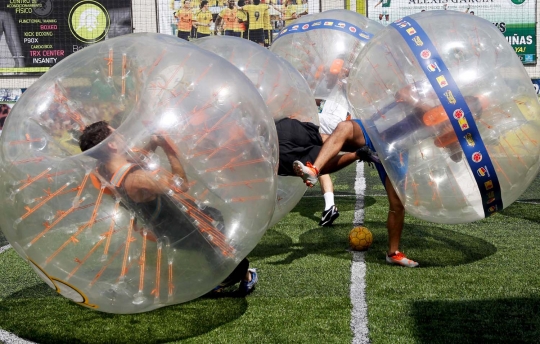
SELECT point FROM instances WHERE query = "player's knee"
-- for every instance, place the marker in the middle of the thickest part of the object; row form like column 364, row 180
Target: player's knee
column 345, row 128
column 396, row 206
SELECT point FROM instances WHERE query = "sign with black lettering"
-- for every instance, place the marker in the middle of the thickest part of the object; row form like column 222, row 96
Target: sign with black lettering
column 37, row 34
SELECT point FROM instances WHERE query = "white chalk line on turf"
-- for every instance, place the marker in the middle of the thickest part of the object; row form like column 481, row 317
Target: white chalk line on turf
column 5, row 336
column 9, row 338
column 5, row 248
column 359, row 320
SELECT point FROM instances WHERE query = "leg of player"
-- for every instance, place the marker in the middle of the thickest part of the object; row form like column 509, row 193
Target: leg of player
column 330, row 212
column 247, row 277
column 349, row 137
column 394, row 225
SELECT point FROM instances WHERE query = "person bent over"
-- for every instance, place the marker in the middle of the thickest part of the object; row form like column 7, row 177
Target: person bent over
column 139, row 190
column 351, row 138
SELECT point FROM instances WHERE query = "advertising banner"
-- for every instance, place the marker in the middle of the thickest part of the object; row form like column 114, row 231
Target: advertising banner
column 37, row 34
column 516, row 19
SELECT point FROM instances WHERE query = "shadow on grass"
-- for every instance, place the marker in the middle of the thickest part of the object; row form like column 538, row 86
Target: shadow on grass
column 331, row 242
column 430, row 246
column 39, row 314
column 484, row 321
column 524, row 211
column 312, row 208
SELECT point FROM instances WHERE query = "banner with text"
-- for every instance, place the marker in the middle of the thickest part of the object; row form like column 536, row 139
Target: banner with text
column 516, row 19
column 37, row 34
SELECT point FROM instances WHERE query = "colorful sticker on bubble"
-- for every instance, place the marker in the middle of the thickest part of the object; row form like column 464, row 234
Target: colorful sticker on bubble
column 457, row 110
column 329, row 24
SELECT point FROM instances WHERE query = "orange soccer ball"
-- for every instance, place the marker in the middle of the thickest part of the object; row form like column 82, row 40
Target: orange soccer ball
column 360, row 238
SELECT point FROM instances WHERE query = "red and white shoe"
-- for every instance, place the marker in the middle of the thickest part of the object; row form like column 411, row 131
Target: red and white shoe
column 399, row 258
column 308, row 172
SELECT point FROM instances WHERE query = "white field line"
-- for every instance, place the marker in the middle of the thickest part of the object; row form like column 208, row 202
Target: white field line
column 359, row 320
column 5, row 248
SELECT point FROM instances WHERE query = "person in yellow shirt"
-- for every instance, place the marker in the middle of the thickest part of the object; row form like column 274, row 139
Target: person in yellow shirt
column 227, row 20
column 184, row 16
column 267, row 25
column 302, row 10
column 289, row 13
column 203, row 20
column 256, row 13
column 195, row 9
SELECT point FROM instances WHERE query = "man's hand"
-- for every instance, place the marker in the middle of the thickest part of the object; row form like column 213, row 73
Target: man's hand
column 158, row 141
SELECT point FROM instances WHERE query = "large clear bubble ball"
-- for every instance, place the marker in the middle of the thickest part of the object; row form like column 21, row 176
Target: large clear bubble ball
column 285, row 92
column 451, row 110
column 164, row 208
column 323, row 46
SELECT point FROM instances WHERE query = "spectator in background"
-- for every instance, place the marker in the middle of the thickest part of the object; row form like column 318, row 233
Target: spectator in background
column 256, row 13
column 195, row 9
column 267, row 25
column 289, row 13
column 203, row 20
column 185, row 20
column 227, row 20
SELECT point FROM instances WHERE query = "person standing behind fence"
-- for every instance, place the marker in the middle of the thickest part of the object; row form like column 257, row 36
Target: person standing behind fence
column 289, row 13
column 195, row 9
column 267, row 25
column 228, row 17
column 256, row 13
column 203, row 20
column 184, row 16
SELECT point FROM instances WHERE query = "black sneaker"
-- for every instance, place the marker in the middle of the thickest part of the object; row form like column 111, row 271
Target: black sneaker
column 367, row 155
column 328, row 216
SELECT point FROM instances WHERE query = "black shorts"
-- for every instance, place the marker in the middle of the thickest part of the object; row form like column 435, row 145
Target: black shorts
column 256, row 35
column 233, row 33
column 297, row 141
column 183, row 35
column 202, row 35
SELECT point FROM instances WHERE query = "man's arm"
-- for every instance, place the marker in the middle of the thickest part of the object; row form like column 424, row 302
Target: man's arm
column 176, row 166
column 380, row 2
column 304, row 12
column 292, row 16
column 218, row 22
column 142, row 186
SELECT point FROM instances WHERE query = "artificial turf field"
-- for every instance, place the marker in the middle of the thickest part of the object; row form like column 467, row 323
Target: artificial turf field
column 477, row 283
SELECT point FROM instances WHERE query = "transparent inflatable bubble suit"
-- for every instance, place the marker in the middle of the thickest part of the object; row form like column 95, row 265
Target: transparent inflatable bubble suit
column 284, row 91
column 322, row 48
column 79, row 226
column 452, row 112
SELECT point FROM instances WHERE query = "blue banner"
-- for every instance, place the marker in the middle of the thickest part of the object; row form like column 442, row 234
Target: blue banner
column 329, row 24
column 457, row 110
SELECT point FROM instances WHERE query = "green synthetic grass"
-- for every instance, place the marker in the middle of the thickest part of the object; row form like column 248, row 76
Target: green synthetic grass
column 302, row 296
column 477, row 283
